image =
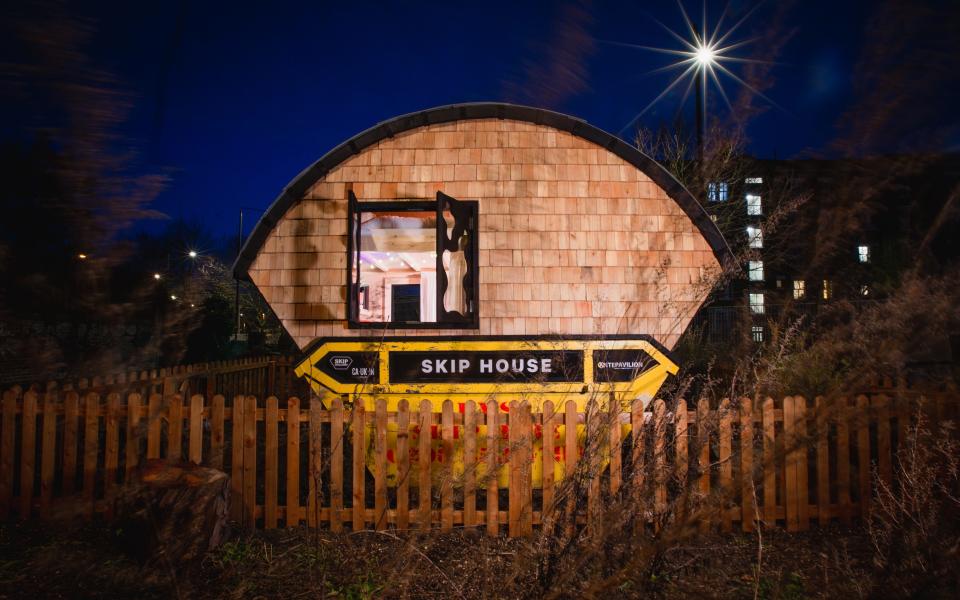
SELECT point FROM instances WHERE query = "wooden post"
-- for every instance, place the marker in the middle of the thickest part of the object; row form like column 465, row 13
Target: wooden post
column 493, row 504
column 271, row 417
column 403, row 465
column 293, row 462
column 336, row 465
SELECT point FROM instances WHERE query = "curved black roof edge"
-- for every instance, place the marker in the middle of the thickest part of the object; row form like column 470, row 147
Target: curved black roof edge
column 295, row 190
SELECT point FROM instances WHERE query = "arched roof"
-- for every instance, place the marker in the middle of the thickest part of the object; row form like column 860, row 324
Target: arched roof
column 295, row 190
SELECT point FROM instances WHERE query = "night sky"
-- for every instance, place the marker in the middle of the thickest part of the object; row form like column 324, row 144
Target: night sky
column 231, row 102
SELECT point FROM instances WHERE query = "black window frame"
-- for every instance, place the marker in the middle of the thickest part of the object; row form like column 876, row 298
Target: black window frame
column 466, row 218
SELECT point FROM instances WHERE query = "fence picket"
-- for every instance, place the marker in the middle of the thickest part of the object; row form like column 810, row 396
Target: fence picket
column 570, row 456
column 336, row 465
column 403, row 465
column 748, row 512
column 703, row 455
column 153, row 426
column 446, row 466
column 236, row 460
column 91, row 433
column 681, row 444
column 548, row 431
column 593, row 453
column 271, row 454
column 823, row 461
column 195, row 447
column 492, row 495
column 791, row 451
column 724, row 456
column 659, row 456
column 470, row 464
column 803, row 457
column 7, row 440
column 111, row 456
column 380, row 466
column 315, row 464
column 293, row 462
column 843, row 461
column 71, row 418
column 249, row 461
column 217, row 433
column 884, row 466
column 359, row 467
column 132, row 442
column 769, row 464
column 863, row 455
column 423, row 465
column 174, row 427
column 28, row 447
column 637, row 444
column 616, row 455
column 526, row 469
column 48, row 452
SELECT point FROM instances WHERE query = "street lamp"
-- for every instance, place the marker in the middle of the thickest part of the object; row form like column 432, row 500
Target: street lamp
column 192, row 254
column 156, row 276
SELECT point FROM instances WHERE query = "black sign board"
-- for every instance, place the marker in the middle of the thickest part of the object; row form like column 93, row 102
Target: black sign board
column 610, row 366
column 501, row 366
column 351, row 367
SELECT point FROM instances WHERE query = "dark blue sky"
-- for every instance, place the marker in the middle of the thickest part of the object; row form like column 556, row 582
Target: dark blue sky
column 233, row 101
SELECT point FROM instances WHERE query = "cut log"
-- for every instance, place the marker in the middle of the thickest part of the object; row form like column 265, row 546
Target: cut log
column 172, row 513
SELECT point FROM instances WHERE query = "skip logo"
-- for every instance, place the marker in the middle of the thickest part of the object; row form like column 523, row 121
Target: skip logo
column 341, row 363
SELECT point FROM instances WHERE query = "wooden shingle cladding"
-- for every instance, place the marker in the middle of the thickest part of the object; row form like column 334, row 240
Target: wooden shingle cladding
column 574, row 239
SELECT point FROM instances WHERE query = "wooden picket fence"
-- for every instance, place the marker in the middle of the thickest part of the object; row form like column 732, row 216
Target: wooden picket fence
column 789, row 462
column 261, row 376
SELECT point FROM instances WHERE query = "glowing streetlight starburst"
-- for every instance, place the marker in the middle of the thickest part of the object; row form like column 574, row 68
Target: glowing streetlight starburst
column 701, row 57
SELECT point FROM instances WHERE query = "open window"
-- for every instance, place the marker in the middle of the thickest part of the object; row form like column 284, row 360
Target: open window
column 413, row 264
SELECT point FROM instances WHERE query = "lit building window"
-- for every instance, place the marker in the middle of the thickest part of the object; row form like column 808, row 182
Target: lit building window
column 827, row 289
column 754, row 206
column 863, row 254
column 717, row 191
column 864, row 290
column 757, row 331
column 756, row 304
column 799, row 289
column 753, row 180
column 755, row 270
column 754, row 237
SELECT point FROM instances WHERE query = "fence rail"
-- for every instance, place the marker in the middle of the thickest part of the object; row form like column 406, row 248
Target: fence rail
column 291, row 464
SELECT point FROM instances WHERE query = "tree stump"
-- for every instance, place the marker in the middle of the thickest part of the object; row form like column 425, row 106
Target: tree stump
column 173, row 513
